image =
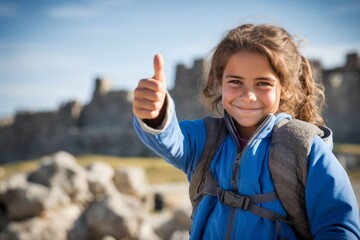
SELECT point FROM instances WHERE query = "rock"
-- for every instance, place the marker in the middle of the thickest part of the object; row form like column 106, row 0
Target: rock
column 23, row 200
column 108, row 238
column 61, row 170
column 180, row 235
column 61, row 200
column 146, row 232
column 54, row 225
column 112, row 217
column 159, row 202
column 182, row 217
column 79, row 231
column 131, row 181
column 14, row 181
column 180, row 221
column 100, row 179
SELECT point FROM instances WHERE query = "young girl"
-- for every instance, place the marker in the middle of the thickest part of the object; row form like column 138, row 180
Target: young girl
column 256, row 77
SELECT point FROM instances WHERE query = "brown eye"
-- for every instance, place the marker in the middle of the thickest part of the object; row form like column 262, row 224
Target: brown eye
column 264, row 84
column 234, row 82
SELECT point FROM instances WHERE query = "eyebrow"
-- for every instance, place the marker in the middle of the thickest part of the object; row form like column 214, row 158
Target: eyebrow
column 258, row 78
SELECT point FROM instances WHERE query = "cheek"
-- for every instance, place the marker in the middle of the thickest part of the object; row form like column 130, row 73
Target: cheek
column 223, row 96
column 273, row 100
column 227, row 94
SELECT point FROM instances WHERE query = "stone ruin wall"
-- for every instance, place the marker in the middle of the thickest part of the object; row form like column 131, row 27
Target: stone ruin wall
column 186, row 91
column 342, row 87
column 104, row 125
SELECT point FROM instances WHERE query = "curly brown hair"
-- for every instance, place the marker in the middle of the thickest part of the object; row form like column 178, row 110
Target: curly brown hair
column 301, row 95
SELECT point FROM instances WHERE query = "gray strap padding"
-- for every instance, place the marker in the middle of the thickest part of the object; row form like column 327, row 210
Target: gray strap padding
column 288, row 164
column 215, row 135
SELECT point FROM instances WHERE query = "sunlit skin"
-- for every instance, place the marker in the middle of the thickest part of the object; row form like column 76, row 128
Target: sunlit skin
column 250, row 91
column 149, row 96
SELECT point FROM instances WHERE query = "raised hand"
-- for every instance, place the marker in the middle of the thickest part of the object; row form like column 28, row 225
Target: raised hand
column 149, row 96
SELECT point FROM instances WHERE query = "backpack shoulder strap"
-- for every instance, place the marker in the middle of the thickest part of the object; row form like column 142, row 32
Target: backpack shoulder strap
column 288, row 164
column 215, row 135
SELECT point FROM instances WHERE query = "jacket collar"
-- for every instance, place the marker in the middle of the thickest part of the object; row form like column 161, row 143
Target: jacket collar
column 231, row 127
column 265, row 130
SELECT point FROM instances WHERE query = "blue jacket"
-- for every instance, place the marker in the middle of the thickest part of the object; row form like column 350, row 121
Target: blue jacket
column 330, row 201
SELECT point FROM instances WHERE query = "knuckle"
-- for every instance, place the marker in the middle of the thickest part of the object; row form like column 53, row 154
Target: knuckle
column 158, row 96
column 154, row 114
column 137, row 112
column 136, row 92
column 155, row 105
column 137, row 101
column 143, row 83
column 159, row 86
column 158, row 105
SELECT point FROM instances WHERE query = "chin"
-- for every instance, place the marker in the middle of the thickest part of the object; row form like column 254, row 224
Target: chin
column 248, row 124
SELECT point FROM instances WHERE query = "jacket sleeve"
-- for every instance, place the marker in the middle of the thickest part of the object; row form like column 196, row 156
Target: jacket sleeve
column 180, row 144
column 330, row 200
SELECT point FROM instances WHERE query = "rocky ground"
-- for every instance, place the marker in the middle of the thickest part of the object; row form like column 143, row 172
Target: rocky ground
column 175, row 196
column 62, row 200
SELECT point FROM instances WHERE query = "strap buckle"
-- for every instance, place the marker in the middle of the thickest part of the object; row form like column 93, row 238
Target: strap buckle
column 234, row 200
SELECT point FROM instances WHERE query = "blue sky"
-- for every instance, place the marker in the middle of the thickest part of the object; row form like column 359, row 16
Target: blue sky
column 52, row 51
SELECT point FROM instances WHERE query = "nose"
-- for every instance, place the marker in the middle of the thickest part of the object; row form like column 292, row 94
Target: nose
column 248, row 95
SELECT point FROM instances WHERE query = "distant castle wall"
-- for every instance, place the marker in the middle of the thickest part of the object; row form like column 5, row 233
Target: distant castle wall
column 104, row 125
column 342, row 87
column 186, row 91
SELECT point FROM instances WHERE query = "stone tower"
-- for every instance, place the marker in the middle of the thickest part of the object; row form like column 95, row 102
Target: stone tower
column 342, row 90
column 102, row 87
column 186, row 91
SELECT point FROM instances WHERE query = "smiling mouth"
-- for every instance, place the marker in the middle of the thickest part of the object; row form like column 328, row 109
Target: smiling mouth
column 247, row 109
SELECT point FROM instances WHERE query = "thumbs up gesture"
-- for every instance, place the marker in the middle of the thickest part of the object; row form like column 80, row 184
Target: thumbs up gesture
column 149, row 96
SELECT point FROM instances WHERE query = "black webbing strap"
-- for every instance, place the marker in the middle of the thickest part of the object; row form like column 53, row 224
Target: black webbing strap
column 247, row 203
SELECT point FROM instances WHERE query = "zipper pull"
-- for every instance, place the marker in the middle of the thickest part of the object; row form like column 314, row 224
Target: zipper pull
column 235, row 171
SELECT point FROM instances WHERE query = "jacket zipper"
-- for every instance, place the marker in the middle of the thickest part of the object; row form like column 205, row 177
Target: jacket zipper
column 235, row 173
column 240, row 154
column 235, row 170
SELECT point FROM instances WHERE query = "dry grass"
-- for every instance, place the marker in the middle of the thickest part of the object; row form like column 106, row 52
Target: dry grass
column 157, row 170
column 347, row 148
column 354, row 176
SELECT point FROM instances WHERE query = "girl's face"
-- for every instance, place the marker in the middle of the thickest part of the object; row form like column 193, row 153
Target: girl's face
column 250, row 90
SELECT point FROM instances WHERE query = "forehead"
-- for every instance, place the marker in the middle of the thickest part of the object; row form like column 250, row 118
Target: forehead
column 247, row 63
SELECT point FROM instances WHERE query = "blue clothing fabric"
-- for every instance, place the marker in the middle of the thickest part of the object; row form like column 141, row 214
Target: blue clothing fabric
column 331, row 204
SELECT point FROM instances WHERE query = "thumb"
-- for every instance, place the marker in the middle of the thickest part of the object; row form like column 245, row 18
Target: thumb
column 159, row 68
